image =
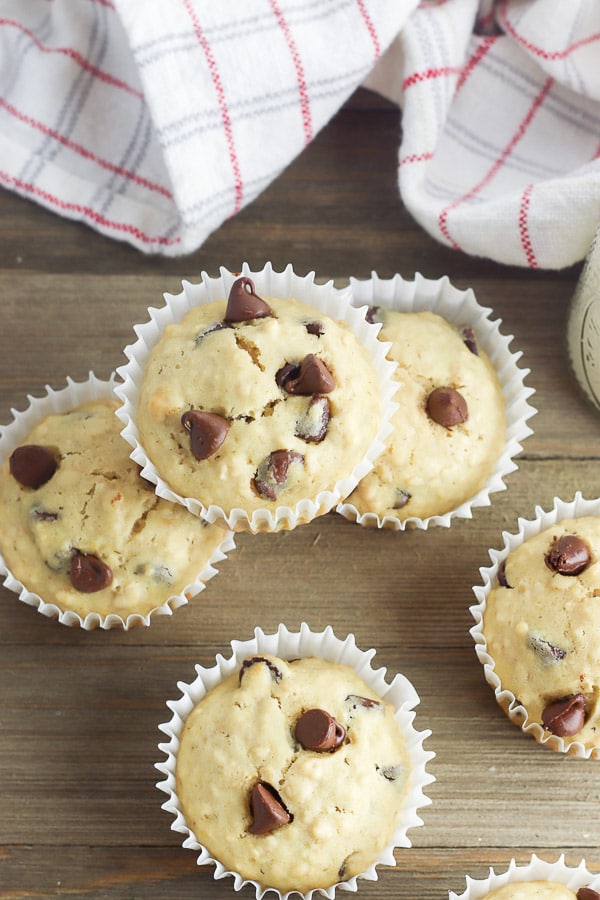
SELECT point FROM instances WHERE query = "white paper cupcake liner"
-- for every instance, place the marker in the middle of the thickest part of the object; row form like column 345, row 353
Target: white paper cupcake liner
column 13, row 434
column 461, row 309
column 289, row 645
column 527, row 528
column 285, row 284
column 535, row 870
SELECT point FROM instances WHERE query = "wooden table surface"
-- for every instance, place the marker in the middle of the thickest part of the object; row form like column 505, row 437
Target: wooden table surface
column 79, row 711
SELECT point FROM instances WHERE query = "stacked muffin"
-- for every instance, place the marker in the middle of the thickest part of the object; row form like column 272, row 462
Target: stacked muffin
column 257, row 411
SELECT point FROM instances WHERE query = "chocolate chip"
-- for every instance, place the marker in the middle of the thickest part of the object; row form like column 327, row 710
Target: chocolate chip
column 267, row 809
column 41, row 515
column 392, row 773
column 468, row 336
column 32, row 465
column 365, row 702
column 317, row 730
column 271, row 475
column 207, row 431
column 565, row 716
column 276, row 673
column 316, row 328
column 89, row 574
column 342, row 870
column 313, row 378
column 287, row 372
column 502, row 575
column 244, row 304
column 447, row 407
column 569, row 555
column 371, row 314
column 587, row 893
column 402, row 498
column 312, row 426
column 216, row 326
column 547, row 652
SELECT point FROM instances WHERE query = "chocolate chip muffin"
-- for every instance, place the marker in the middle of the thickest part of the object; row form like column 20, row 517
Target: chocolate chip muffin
column 257, row 402
column 542, row 630
column 81, row 528
column 540, row 890
column 449, row 428
column 292, row 774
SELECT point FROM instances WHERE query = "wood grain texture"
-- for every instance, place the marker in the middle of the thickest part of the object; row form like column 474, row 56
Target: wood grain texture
column 79, row 712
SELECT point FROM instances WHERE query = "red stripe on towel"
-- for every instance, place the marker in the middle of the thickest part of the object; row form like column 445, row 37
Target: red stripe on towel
column 222, row 100
column 302, row 89
column 83, row 151
column 517, row 136
column 84, row 212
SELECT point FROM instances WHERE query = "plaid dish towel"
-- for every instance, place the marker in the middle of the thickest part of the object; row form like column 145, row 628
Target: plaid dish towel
column 154, row 121
column 500, row 154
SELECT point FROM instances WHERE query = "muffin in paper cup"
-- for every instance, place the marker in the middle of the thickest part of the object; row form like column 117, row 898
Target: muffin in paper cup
column 62, row 560
column 223, row 413
column 537, row 629
column 453, row 442
column 542, row 874
column 273, row 751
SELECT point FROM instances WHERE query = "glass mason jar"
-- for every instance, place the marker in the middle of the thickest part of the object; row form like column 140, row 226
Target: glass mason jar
column 583, row 327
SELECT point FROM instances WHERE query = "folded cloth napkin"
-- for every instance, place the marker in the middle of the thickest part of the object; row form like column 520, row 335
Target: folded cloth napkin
column 153, row 121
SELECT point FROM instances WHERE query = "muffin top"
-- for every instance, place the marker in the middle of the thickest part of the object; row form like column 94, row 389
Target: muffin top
column 449, row 428
column 539, row 890
column 293, row 773
column 83, row 530
column 542, row 628
column 257, row 403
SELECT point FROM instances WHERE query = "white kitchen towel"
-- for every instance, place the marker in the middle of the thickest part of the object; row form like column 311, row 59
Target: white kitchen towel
column 500, row 154
column 156, row 120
